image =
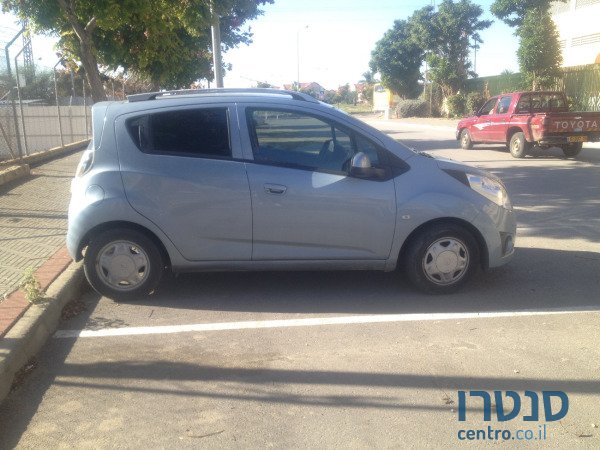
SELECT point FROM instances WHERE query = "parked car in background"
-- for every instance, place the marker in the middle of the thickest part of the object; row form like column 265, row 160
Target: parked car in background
column 524, row 119
column 272, row 180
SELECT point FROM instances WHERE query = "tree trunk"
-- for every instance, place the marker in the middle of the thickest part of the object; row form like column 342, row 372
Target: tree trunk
column 90, row 64
column 86, row 47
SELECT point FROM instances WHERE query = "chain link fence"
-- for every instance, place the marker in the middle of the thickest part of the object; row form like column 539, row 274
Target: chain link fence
column 39, row 108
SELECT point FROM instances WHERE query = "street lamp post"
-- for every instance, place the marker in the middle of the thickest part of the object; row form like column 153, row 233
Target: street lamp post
column 298, row 55
column 216, row 45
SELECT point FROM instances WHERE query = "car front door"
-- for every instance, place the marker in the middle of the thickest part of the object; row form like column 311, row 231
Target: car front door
column 480, row 131
column 305, row 205
column 499, row 120
column 182, row 169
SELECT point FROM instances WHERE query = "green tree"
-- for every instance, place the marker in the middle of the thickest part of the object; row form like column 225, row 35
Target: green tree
column 513, row 12
column 398, row 60
column 539, row 52
column 368, row 81
column 368, row 77
column 163, row 40
column 447, row 35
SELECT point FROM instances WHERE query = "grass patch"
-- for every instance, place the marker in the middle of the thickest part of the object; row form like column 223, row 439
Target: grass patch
column 359, row 108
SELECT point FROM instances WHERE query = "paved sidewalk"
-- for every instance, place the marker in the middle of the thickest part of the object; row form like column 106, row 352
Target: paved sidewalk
column 33, row 219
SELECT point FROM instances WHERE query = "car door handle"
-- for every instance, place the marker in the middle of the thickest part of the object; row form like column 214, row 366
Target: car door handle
column 275, row 189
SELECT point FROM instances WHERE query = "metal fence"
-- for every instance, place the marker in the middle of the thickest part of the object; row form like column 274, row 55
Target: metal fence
column 26, row 128
column 581, row 84
column 36, row 112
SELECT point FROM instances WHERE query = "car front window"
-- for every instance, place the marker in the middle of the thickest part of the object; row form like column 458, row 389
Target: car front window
column 488, row 108
column 301, row 140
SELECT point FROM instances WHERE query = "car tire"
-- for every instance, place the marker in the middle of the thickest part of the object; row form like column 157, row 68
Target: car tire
column 441, row 258
column 572, row 150
column 518, row 145
column 465, row 140
column 123, row 264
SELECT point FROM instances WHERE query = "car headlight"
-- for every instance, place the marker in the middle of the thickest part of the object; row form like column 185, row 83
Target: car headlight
column 491, row 189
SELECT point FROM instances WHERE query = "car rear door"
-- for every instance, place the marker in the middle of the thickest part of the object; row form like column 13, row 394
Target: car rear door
column 305, row 205
column 182, row 169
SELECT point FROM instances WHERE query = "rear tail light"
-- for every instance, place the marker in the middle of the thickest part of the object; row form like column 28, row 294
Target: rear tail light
column 87, row 160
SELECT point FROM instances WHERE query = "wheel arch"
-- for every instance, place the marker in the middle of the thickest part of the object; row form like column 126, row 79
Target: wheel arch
column 512, row 130
column 482, row 247
column 87, row 238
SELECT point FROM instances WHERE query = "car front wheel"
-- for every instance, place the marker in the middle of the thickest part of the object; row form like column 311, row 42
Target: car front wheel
column 441, row 258
column 123, row 264
column 465, row 140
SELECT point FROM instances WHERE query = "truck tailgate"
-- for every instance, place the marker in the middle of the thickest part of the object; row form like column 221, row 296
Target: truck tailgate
column 576, row 122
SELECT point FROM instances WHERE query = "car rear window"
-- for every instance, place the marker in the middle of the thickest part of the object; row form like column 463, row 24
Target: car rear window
column 189, row 132
column 541, row 102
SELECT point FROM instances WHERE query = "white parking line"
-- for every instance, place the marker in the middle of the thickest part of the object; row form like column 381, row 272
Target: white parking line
column 310, row 322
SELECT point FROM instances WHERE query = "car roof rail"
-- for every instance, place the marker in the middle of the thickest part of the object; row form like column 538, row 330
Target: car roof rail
column 165, row 94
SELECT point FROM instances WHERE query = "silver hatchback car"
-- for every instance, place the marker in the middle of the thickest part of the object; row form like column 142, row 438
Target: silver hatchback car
column 258, row 179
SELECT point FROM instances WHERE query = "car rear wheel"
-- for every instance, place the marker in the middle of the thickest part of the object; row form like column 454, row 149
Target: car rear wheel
column 573, row 149
column 441, row 258
column 465, row 140
column 518, row 145
column 123, row 264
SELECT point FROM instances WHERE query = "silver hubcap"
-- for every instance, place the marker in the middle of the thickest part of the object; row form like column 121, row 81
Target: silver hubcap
column 465, row 139
column 516, row 146
column 446, row 261
column 122, row 265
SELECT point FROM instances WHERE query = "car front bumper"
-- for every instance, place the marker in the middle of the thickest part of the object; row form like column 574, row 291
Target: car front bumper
column 498, row 226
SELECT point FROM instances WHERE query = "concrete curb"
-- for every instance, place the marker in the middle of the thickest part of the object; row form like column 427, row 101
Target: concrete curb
column 13, row 173
column 18, row 168
column 29, row 334
column 399, row 122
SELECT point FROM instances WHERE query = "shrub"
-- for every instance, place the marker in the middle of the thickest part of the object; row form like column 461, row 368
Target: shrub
column 412, row 108
column 433, row 96
column 456, row 105
column 475, row 100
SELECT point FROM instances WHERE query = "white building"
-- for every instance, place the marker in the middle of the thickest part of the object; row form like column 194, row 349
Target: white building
column 578, row 23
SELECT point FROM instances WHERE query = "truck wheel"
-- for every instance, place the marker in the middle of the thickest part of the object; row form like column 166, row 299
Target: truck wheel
column 572, row 150
column 518, row 145
column 123, row 264
column 465, row 140
column 441, row 258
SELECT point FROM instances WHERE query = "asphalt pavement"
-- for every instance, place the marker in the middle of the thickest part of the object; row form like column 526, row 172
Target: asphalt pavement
column 350, row 360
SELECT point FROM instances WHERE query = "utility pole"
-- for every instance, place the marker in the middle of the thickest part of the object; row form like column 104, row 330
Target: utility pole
column 475, row 57
column 27, row 53
column 298, row 55
column 216, row 45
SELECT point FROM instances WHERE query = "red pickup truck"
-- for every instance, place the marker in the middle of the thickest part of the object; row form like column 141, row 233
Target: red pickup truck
column 524, row 119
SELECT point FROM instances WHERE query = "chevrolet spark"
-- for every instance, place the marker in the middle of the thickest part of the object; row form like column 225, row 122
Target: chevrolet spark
column 239, row 179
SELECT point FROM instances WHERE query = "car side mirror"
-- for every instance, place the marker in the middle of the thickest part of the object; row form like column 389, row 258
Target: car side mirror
column 361, row 167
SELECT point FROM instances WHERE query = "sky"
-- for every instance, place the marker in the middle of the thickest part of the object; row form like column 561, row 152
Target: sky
column 336, row 47
column 331, row 39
